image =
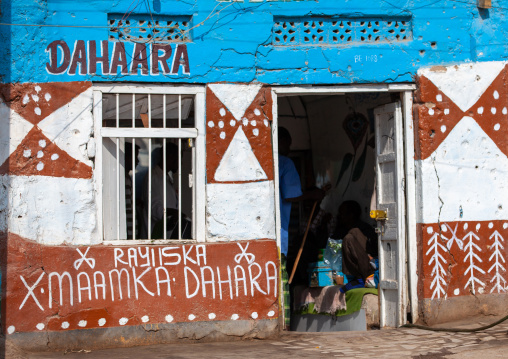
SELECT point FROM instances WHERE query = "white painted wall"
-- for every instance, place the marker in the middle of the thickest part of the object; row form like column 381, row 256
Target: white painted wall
column 13, row 129
column 71, row 127
column 240, row 211
column 464, row 83
column 466, row 171
column 237, row 98
column 49, row 210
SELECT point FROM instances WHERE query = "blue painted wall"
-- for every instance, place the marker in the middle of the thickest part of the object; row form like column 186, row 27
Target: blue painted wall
column 232, row 41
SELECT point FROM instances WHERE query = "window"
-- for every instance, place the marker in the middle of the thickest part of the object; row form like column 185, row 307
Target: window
column 150, row 162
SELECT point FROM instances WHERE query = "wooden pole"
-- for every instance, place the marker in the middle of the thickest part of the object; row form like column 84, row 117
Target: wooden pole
column 303, row 243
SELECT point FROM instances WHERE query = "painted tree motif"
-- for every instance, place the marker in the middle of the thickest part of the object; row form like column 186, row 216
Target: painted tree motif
column 438, row 262
column 473, row 258
column 499, row 263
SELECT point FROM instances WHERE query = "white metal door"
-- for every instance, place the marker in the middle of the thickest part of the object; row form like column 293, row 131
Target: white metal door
column 390, row 198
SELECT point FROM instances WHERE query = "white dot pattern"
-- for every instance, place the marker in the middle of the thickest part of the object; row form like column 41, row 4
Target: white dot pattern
column 497, row 126
column 222, row 112
column 102, row 321
column 431, row 111
column 443, row 128
column 439, row 98
column 40, row 326
column 255, row 132
column 27, row 153
column 234, row 317
column 210, row 124
column 169, row 318
column 47, row 97
column 232, row 123
column 446, row 111
column 221, row 124
column 480, row 110
column 37, row 111
column 223, row 135
column 496, row 95
column 211, row 316
column 493, row 110
column 123, row 321
column 192, row 317
column 65, row 325
column 430, row 230
column 11, row 329
column 54, row 156
column 145, row 318
column 42, row 143
column 40, row 166
column 82, row 323
column 254, row 315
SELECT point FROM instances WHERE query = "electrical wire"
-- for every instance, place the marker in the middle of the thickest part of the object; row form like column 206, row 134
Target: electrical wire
column 456, row 330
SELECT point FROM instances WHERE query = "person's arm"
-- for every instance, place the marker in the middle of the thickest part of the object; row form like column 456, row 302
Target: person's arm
column 315, row 194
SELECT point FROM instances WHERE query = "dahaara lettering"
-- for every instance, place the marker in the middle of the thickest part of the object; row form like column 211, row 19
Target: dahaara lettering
column 115, row 58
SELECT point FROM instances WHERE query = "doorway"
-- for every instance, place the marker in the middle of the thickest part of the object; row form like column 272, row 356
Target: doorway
column 356, row 139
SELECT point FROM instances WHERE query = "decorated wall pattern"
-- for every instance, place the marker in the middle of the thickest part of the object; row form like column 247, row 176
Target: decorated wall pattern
column 239, row 162
column 107, row 286
column 462, row 258
column 461, row 171
column 46, row 146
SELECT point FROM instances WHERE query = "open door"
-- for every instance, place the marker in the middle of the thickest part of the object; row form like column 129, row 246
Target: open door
column 390, row 205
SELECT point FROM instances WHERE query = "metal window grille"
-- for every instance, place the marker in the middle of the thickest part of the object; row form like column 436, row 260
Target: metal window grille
column 148, row 161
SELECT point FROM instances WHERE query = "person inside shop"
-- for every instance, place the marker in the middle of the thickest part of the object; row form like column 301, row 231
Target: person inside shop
column 130, row 172
column 290, row 192
column 359, row 246
column 158, row 177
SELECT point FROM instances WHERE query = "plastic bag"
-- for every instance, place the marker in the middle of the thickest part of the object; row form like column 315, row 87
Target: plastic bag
column 333, row 254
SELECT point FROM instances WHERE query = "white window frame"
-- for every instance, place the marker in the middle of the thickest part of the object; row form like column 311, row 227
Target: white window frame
column 199, row 170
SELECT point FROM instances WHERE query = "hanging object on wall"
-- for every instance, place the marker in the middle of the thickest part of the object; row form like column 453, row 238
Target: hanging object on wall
column 355, row 125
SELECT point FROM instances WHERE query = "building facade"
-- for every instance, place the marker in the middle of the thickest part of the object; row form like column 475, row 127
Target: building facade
column 82, row 85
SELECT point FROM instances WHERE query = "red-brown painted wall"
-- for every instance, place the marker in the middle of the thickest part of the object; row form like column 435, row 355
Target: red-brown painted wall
column 159, row 284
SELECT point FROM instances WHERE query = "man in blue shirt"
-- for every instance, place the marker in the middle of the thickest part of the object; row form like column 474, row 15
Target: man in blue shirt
column 290, row 191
